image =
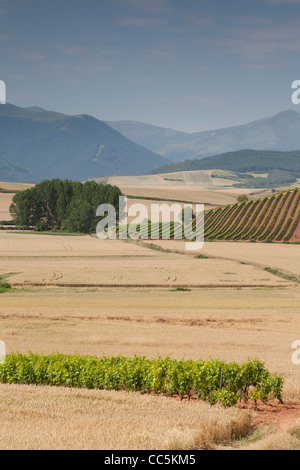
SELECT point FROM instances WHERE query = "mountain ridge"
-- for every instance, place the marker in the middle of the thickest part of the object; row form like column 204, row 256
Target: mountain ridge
column 279, row 132
column 45, row 144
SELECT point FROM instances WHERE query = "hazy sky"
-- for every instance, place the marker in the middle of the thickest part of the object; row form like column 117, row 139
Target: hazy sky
column 185, row 64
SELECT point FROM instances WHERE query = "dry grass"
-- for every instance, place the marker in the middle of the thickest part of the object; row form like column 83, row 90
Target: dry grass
column 275, row 255
column 230, row 323
column 15, row 186
column 199, row 194
column 86, row 261
column 52, row 418
column 5, row 202
column 226, row 324
column 275, row 441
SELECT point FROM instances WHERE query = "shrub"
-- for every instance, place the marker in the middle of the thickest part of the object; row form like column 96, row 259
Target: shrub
column 242, row 198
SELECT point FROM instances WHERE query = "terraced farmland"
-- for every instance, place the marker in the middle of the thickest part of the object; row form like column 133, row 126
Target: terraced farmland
column 275, row 218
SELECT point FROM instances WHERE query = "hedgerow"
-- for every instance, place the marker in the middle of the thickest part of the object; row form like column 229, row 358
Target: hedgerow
column 213, row 381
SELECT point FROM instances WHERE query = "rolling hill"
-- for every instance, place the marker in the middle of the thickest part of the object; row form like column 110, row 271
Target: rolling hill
column 281, row 167
column 275, row 218
column 36, row 144
column 280, row 132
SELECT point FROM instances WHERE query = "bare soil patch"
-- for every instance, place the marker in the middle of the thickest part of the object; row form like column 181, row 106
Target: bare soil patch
column 281, row 416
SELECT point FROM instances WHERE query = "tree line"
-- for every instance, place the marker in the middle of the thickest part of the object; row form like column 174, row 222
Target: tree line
column 63, row 205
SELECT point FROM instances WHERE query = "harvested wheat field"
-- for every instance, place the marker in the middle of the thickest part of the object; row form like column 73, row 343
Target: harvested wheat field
column 15, row 186
column 80, row 295
column 6, row 197
column 5, row 202
column 196, row 194
column 276, row 255
column 54, row 418
column 35, row 260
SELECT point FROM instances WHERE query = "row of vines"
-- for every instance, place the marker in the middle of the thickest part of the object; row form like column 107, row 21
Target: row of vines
column 274, row 218
column 212, row 381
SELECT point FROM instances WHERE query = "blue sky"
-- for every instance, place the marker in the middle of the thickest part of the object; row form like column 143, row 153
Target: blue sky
column 189, row 65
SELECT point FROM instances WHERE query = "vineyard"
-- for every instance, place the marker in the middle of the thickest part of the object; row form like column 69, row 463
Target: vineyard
column 212, row 381
column 275, row 218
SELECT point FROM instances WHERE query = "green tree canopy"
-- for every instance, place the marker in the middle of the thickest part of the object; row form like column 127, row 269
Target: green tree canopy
column 242, row 198
column 63, row 205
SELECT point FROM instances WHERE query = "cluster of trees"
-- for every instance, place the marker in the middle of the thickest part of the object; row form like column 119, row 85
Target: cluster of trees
column 63, row 205
column 274, row 179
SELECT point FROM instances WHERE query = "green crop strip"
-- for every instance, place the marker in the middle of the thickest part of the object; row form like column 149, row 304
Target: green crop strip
column 263, row 218
column 211, row 227
column 245, row 222
column 231, row 223
column 249, row 228
column 224, row 215
column 277, row 227
column 213, row 381
column 265, row 227
column 277, row 272
column 229, row 218
column 240, row 220
column 282, row 232
column 4, row 285
column 266, row 234
column 291, row 231
column 273, row 218
column 257, row 220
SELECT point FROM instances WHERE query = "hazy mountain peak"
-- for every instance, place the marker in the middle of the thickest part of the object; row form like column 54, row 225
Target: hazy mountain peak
column 278, row 132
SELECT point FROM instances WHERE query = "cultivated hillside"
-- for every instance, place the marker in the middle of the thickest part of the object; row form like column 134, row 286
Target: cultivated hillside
column 281, row 168
column 279, row 132
column 36, row 144
column 275, row 218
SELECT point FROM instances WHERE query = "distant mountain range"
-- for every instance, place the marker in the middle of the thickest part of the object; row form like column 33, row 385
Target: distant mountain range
column 36, row 144
column 279, row 132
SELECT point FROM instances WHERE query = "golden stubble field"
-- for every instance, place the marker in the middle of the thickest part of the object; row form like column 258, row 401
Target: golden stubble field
column 82, row 295
column 5, row 202
column 6, row 198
